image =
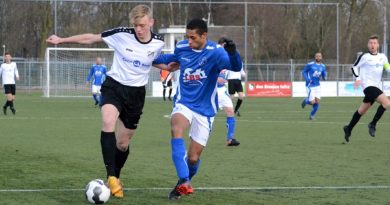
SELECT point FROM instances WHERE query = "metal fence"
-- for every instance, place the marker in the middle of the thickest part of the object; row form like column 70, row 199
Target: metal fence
column 32, row 79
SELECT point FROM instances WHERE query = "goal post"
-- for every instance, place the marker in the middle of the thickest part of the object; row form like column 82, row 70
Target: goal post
column 66, row 70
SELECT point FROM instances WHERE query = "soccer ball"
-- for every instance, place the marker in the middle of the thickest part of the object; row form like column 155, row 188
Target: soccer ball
column 97, row 192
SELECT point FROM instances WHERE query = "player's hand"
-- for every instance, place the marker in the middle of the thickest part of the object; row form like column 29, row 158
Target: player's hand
column 53, row 39
column 173, row 66
column 221, row 80
column 357, row 83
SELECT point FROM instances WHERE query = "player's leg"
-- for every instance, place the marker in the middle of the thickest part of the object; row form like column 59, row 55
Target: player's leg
column 170, row 90
column 110, row 115
column 308, row 100
column 314, row 98
column 384, row 104
column 8, row 96
column 368, row 100
column 164, row 90
column 226, row 104
column 124, row 136
column 180, row 121
column 95, row 94
column 239, row 90
column 12, row 96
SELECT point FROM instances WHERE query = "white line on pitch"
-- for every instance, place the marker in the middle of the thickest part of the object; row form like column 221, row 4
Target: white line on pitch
column 216, row 188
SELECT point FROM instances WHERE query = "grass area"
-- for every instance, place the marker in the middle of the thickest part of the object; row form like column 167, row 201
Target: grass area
column 54, row 144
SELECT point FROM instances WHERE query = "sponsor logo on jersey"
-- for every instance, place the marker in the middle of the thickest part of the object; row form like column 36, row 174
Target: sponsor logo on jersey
column 136, row 63
column 193, row 76
column 128, row 49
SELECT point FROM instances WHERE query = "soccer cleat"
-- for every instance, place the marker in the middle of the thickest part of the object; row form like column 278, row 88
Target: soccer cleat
column 303, row 104
column 13, row 111
column 96, row 103
column 5, row 110
column 169, row 98
column 347, row 133
column 115, row 186
column 185, row 188
column 238, row 113
column 312, row 117
column 233, row 142
column 371, row 130
column 174, row 194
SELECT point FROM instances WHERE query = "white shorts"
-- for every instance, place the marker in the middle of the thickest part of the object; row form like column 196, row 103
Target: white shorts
column 96, row 88
column 314, row 92
column 224, row 99
column 200, row 126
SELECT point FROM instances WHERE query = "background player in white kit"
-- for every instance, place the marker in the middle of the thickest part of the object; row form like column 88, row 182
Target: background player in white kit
column 123, row 91
column 368, row 70
column 9, row 72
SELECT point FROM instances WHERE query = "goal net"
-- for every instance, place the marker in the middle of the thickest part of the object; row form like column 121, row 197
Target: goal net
column 66, row 70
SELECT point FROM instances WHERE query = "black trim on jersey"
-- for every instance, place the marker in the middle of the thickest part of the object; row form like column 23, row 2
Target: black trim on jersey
column 131, row 31
column 358, row 60
column 353, row 72
column 118, row 30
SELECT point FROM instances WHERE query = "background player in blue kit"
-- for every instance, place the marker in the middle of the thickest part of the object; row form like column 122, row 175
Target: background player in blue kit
column 98, row 72
column 195, row 102
column 312, row 73
column 225, row 103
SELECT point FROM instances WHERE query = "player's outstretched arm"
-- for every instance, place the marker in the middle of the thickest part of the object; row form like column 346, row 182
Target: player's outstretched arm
column 87, row 38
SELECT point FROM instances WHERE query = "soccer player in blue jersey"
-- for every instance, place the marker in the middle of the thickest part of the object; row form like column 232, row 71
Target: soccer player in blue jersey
column 225, row 103
column 98, row 72
column 312, row 73
column 195, row 102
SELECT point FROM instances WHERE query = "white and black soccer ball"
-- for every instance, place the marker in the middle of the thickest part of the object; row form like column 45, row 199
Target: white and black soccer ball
column 97, row 192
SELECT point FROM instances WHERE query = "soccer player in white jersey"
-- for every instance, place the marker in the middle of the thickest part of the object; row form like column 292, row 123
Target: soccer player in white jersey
column 195, row 102
column 123, row 91
column 98, row 72
column 9, row 72
column 313, row 72
column 368, row 70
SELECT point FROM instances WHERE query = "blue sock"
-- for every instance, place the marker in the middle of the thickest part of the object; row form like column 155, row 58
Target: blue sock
column 315, row 108
column 95, row 98
column 230, row 124
column 193, row 168
column 307, row 101
column 179, row 158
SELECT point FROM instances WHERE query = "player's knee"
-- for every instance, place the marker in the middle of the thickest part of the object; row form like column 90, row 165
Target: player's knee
column 193, row 159
column 229, row 112
column 386, row 105
column 122, row 145
column 177, row 131
column 108, row 125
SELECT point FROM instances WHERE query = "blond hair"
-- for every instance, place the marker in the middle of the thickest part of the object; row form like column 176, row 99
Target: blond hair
column 139, row 12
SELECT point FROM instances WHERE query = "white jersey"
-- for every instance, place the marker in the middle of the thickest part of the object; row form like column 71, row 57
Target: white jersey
column 132, row 58
column 369, row 69
column 9, row 72
column 232, row 75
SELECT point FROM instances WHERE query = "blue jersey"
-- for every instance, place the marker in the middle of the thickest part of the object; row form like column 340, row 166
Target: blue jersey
column 312, row 73
column 199, row 70
column 224, row 77
column 99, row 74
